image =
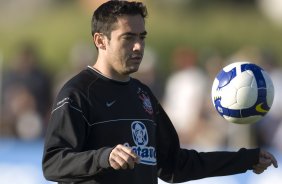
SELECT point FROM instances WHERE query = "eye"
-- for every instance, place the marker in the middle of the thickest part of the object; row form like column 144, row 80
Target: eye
column 143, row 37
column 128, row 37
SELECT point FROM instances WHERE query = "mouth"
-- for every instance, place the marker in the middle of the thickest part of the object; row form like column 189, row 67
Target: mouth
column 136, row 58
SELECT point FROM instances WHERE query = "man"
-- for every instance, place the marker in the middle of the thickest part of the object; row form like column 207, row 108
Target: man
column 107, row 127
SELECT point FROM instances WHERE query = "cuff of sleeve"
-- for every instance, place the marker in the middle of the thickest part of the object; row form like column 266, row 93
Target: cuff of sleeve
column 104, row 158
column 252, row 157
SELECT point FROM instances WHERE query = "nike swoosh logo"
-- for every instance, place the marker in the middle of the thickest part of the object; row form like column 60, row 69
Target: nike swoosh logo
column 109, row 104
column 260, row 109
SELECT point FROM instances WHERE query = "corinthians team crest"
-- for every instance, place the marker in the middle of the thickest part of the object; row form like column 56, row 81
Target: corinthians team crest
column 140, row 137
column 147, row 105
column 139, row 133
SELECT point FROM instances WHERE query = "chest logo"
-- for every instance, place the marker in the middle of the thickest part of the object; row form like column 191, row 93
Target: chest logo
column 146, row 102
column 139, row 133
column 140, row 137
column 109, row 104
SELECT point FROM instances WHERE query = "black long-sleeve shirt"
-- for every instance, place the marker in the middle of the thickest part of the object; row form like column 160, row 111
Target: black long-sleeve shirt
column 92, row 114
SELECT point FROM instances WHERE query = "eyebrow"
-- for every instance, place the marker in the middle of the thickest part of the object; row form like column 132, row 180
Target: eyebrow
column 134, row 34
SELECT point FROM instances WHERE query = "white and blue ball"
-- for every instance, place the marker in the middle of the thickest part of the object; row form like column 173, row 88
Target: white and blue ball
column 242, row 92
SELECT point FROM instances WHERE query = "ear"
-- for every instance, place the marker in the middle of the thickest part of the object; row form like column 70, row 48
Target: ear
column 99, row 40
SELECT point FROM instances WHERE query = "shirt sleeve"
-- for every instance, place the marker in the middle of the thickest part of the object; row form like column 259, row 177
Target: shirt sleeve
column 180, row 165
column 64, row 159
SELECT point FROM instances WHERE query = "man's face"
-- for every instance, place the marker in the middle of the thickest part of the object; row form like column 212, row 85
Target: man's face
column 124, row 51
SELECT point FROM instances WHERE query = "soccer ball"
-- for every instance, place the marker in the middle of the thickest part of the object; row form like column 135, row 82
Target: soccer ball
column 242, row 92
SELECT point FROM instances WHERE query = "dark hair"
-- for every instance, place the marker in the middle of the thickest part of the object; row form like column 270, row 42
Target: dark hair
column 106, row 15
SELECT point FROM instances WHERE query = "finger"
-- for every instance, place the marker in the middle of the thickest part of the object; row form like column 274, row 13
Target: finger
column 275, row 164
column 124, row 156
column 114, row 164
column 122, row 163
column 127, row 158
column 273, row 160
column 115, row 158
column 258, row 170
column 268, row 155
column 258, row 167
column 262, row 165
column 264, row 162
column 130, row 152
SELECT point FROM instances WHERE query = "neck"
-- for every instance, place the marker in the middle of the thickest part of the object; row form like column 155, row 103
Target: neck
column 110, row 73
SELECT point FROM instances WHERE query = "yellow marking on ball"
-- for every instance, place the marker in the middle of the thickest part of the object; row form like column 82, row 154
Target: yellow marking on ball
column 260, row 109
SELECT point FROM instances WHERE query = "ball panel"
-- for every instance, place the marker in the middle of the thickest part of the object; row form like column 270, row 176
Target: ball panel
column 215, row 93
column 246, row 97
column 247, row 120
column 243, row 80
column 270, row 89
column 228, row 95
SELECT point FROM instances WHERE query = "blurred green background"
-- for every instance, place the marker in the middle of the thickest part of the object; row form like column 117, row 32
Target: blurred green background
column 55, row 26
column 208, row 28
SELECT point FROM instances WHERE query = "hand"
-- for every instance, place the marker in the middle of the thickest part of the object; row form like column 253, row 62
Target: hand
column 265, row 160
column 123, row 157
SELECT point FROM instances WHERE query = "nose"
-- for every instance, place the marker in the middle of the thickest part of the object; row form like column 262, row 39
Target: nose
column 138, row 45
